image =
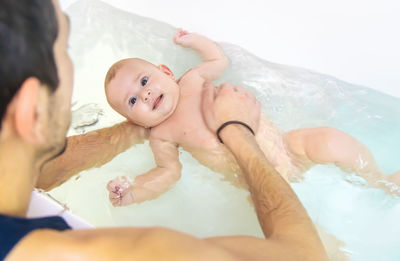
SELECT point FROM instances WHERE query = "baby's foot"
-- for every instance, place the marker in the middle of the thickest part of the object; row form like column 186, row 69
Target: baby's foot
column 120, row 192
column 86, row 115
column 391, row 184
column 394, row 178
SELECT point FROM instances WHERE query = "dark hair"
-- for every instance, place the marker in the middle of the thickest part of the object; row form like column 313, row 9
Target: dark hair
column 28, row 30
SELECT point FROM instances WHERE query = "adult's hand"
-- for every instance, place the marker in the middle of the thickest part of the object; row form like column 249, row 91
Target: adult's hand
column 227, row 103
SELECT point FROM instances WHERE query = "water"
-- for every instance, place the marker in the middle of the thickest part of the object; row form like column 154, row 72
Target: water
column 201, row 204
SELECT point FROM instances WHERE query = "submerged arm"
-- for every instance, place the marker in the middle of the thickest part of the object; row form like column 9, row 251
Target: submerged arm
column 89, row 150
column 214, row 60
column 152, row 183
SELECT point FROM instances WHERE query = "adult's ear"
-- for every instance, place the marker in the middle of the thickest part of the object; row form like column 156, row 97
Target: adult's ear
column 27, row 118
column 166, row 70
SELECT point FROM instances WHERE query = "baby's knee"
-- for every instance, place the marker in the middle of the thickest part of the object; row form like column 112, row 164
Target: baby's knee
column 319, row 144
column 303, row 141
column 337, row 138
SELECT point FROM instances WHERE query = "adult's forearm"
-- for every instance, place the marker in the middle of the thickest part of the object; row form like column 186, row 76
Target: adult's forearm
column 279, row 211
column 89, row 150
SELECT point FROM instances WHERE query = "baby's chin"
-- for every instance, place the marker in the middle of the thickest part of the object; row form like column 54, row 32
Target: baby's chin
column 148, row 125
column 155, row 122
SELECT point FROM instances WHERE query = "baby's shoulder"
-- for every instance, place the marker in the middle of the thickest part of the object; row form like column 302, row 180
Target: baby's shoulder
column 162, row 132
column 191, row 82
column 190, row 75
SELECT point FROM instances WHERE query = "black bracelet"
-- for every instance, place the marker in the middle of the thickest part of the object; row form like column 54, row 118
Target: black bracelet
column 232, row 122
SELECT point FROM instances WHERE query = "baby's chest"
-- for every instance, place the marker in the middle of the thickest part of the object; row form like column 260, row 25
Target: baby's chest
column 187, row 128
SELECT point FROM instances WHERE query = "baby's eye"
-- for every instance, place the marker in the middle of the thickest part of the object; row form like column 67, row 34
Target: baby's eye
column 144, row 80
column 132, row 101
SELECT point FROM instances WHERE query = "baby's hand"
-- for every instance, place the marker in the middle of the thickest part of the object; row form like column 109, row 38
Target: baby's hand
column 183, row 38
column 120, row 192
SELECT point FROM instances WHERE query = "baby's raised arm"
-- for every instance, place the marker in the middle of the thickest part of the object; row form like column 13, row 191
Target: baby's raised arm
column 214, row 60
column 152, row 183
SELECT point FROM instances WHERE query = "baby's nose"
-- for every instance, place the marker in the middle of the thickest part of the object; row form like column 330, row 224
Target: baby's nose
column 146, row 95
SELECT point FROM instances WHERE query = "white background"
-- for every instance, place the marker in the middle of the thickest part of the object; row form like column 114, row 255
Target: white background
column 354, row 40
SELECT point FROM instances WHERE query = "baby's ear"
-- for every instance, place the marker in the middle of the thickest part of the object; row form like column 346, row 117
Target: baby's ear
column 166, row 70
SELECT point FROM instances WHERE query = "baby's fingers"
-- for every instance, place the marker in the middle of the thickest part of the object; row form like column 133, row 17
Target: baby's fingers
column 114, row 197
column 177, row 35
column 180, row 36
column 111, row 185
column 181, row 32
column 116, row 202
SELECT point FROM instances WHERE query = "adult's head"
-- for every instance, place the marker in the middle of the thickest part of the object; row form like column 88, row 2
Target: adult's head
column 35, row 76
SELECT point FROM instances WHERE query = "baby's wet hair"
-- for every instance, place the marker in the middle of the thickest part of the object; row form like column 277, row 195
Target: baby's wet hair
column 112, row 71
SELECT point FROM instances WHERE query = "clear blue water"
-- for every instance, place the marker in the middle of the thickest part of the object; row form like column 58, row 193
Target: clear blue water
column 365, row 219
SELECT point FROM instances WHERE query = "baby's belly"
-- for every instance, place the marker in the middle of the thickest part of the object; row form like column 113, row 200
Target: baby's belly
column 218, row 158
column 221, row 160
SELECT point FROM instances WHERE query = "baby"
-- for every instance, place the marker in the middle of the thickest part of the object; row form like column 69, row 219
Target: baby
column 149, row 96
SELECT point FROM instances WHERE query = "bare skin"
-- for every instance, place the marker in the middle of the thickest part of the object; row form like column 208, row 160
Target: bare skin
column 150, row 96
column 92, row 149
column 33, row 144
column 29, row 138
column 291, row 235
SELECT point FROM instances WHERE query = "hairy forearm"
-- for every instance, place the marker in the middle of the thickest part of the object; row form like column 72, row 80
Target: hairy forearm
column 89, row 150
column 279, row 211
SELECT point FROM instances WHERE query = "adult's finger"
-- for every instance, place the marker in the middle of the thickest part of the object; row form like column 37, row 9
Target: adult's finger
column 239, row 88
column 208, row 100
column 251, row 96
column 226, row 85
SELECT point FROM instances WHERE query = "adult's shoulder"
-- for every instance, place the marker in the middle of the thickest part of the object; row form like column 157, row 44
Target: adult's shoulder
column 114, row 243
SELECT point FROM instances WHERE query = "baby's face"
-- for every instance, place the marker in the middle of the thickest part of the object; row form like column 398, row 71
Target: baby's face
column 143, row 93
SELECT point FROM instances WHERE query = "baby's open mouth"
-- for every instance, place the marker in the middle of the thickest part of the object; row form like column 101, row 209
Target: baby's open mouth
column 158, row 101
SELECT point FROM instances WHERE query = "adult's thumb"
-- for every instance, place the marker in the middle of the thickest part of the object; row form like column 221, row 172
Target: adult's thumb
column 207, row 101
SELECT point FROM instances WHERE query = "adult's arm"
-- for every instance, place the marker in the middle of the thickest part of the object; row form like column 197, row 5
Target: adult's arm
column 89, row 150
column 282, row 217
column 289, row 231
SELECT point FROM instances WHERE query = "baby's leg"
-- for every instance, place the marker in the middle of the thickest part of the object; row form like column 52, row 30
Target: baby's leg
column 325, row 145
